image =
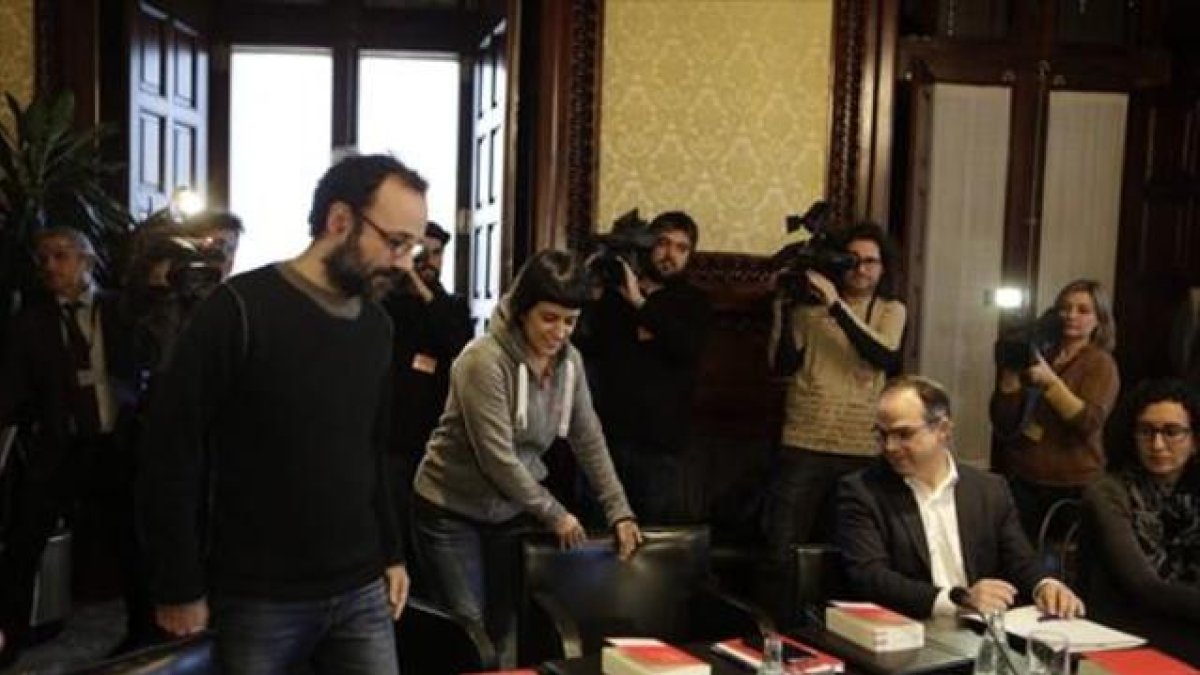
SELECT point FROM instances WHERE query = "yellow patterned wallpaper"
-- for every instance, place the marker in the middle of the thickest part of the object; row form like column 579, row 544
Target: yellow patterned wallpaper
column 716, row 107
column 16, row 51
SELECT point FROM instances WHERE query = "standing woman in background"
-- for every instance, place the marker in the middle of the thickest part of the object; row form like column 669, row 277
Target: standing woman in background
column 1054, row 450
column 513, row 391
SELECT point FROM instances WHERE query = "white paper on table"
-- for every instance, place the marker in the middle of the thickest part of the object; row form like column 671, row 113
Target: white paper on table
column 1082, row 634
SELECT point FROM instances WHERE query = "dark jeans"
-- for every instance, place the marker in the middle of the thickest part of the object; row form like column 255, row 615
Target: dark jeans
column 473, row 569
column 1033, row 501
column 800, row 510
column 350, row 633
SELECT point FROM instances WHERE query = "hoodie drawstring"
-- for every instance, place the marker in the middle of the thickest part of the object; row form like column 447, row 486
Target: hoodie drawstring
column 522, row 397
column 564, row 422
column 568, row 398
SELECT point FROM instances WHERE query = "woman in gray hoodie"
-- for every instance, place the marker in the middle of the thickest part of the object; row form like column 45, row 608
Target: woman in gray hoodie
column 513, row 391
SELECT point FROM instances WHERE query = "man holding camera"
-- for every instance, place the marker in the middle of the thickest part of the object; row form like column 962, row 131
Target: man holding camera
column 836, row 345
column 642, row 340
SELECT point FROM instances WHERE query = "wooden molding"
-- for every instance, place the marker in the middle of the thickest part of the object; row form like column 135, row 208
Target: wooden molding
column 583, row 116
column 849, row 58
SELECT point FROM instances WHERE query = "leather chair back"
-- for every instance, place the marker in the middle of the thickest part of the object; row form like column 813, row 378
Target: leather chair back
column 818, row 577
column 646, row 596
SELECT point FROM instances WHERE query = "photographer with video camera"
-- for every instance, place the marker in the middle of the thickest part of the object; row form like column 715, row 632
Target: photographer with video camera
column 174, row 264
column 1056, row 386
column 641, row 339
column 835, row 337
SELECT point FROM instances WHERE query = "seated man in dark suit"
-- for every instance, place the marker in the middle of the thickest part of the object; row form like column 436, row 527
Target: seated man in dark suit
column 917, row 524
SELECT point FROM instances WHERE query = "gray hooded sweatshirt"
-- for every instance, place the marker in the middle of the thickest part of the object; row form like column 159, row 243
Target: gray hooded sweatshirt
column 484, row 460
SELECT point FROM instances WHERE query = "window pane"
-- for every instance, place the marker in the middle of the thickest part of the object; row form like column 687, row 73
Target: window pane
column 280, row 133
column 408, row 106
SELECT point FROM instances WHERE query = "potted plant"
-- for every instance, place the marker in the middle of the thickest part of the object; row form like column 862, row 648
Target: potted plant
column 51, row 174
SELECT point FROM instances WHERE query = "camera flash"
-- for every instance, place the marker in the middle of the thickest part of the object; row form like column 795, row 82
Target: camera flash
column 187, row 202
column 1008, row 297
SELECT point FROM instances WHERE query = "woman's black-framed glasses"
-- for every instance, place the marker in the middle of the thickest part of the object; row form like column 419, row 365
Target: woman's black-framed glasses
column 399, row 242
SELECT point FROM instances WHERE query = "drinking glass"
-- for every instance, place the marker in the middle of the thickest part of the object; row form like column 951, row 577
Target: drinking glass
column 1048, row 653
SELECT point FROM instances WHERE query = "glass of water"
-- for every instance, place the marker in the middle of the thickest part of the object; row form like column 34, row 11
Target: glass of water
column 1048, row 653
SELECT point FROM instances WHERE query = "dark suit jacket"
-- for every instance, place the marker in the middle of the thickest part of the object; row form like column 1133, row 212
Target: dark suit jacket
column 38, row 375
column 883, row 541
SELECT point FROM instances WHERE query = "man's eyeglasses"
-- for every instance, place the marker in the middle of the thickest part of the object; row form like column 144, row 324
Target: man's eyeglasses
column 1171, row 433
column 868, row 262
column 399, row 242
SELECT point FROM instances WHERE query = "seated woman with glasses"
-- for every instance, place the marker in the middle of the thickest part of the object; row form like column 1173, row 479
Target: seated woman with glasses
column 1142, row 563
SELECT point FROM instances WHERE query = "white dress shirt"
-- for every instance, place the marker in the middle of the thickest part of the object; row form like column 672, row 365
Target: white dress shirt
column 939, row 517
column 87, row 315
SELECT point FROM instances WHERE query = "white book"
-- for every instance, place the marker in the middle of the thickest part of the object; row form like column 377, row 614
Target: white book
column 1083, row 635
column 874, row 627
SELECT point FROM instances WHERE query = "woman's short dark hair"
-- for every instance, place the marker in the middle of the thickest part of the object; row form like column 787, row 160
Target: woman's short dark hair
column 353, row 181
column 1146, row 394
column 887, row 253
column 550, row 275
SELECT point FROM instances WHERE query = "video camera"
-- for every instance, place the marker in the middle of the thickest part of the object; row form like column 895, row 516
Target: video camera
column 1017, row 348
column 630, row 241
column 181, row 256
column 817, row 251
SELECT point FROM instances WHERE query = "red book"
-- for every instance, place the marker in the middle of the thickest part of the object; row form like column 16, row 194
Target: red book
column 649, row 657
column 1142, row 661
column 797, row 656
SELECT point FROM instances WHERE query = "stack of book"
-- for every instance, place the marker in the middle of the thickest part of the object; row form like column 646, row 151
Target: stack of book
column 873, row 627
column 643, row 656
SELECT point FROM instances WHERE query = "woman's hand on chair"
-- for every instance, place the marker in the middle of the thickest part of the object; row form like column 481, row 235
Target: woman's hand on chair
column 569, row 532
column 628, row 538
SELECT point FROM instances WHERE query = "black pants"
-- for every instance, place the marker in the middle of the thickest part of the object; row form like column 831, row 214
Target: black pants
column 800, row 509
column 94, row 474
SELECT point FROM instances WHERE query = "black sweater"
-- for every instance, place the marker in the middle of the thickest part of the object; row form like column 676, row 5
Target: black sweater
column 437, row 330
column 290, row 395
column 642, row 363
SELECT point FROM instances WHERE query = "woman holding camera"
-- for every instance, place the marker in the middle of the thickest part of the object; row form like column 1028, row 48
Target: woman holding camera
column 1051, row 415
column 1143, row 521
column 513, row 392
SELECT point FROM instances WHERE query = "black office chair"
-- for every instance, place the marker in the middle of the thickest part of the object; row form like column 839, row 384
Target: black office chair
column 434, row 642
column 572, row 600
column 1058, row 540
column 818, row 576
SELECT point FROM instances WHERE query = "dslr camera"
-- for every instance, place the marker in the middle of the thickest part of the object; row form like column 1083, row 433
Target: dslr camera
column 1017, row 348
column 630, row 242
column 817, row 250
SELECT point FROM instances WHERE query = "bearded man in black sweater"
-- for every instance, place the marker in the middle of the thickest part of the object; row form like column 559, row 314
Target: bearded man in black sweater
column 265, row 499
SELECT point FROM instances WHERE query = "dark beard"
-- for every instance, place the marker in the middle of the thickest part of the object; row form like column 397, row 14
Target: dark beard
column 348, row 272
